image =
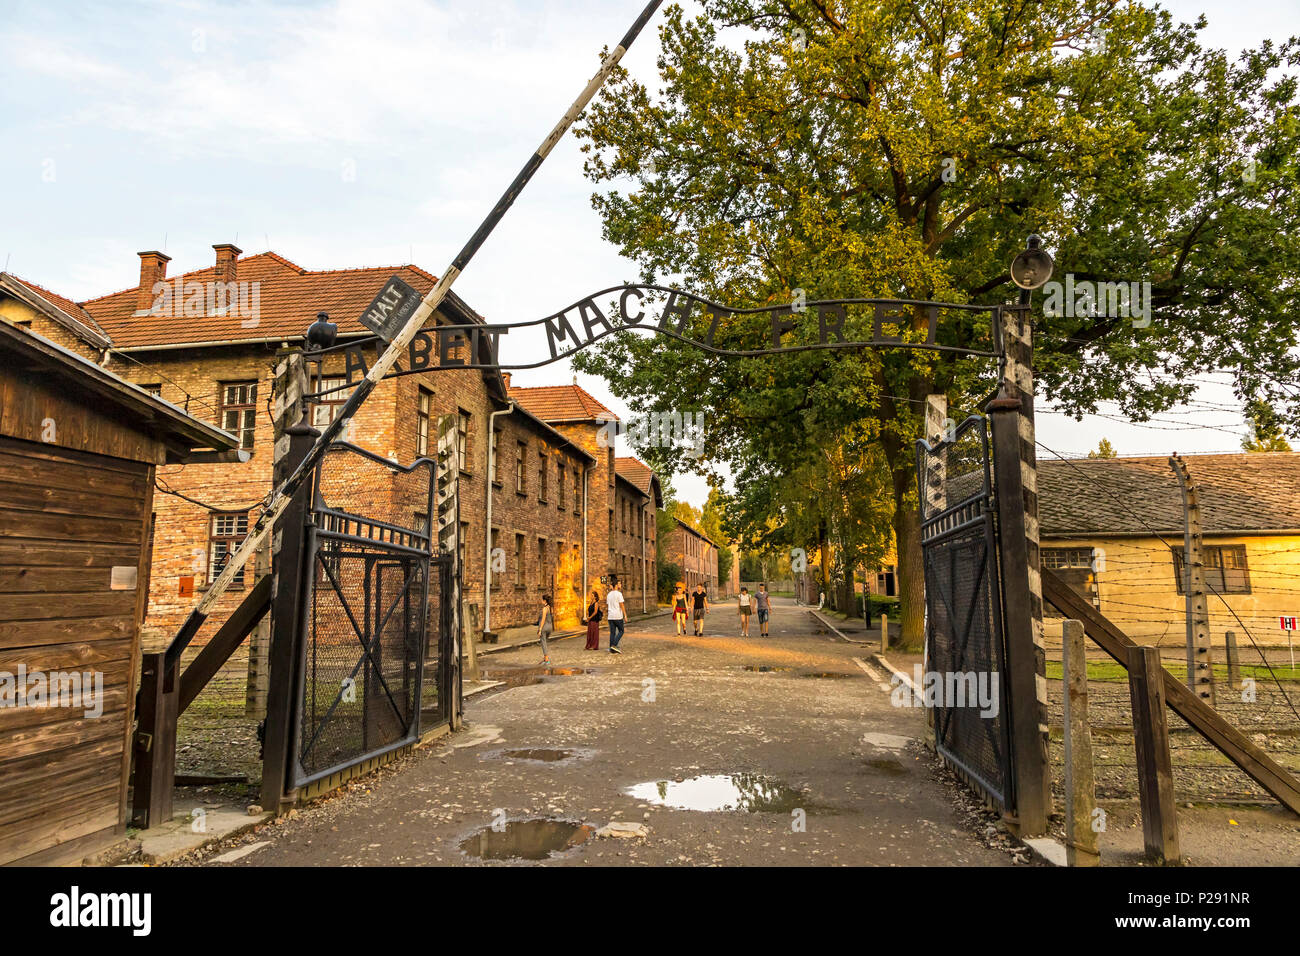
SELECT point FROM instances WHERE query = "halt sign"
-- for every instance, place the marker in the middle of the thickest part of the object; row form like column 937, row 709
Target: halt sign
column 391, row 308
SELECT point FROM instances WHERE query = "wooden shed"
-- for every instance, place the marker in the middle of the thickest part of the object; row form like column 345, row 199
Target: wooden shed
column 78, row 448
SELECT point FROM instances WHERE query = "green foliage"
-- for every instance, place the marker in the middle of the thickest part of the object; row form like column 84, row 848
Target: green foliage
column 670, row 572
column 1104, row 450
column 906, row 148
column 1266, row 429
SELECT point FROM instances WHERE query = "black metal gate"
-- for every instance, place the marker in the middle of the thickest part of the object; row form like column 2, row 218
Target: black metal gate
column 965, row 638
column 369, row 623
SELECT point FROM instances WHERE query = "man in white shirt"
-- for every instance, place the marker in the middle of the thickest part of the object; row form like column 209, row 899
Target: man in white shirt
column 614, row 614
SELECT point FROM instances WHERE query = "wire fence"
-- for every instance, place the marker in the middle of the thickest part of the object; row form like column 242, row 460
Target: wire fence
column 1135, row 582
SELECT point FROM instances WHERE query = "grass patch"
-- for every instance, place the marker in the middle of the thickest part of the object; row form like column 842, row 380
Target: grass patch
column 1111, row 672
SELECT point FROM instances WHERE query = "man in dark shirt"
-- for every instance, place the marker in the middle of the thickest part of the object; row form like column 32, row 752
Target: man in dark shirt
column 700, row 606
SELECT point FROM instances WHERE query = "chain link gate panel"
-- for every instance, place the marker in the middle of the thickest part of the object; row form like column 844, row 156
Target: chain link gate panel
column 366, row 629
column 965, row 639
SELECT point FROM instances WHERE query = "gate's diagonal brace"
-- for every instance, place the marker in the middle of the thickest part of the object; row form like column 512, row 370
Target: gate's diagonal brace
column 366, row 645
column 218, row 650
column 368, row 653
column 1226, row 738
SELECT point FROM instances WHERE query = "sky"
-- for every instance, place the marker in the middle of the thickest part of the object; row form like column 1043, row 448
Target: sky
column 350, row 133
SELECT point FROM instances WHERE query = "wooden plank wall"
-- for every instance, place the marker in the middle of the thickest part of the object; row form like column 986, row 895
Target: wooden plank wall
column 66, row 519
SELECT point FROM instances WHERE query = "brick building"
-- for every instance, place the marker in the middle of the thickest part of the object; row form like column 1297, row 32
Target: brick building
column 696, row 554
column 554, row 489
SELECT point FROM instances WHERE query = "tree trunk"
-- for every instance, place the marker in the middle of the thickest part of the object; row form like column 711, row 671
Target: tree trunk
column 910, row 568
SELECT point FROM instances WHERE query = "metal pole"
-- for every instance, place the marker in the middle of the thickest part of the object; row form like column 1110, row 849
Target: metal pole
column 398, row 346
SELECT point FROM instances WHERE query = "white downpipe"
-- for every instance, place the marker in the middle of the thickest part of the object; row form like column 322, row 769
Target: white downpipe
column 586, row 470
column 487, row 534
column 643, row 610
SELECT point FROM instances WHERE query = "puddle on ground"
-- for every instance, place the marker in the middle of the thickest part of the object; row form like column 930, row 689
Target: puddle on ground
column 827, row 674
column 888, row 767
column 538, row 754
column 748, row 792
column 546, row 756
column 536, row 839
column 764, row 668
column 525, row 676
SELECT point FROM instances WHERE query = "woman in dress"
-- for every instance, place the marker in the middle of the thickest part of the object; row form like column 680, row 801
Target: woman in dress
column 679, row 609
column 593, row 621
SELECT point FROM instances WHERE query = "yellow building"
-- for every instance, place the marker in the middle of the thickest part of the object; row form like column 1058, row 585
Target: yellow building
column 1113, row 528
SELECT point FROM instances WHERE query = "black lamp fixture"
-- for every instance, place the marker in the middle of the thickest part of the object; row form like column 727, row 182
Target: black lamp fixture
column 321, row 333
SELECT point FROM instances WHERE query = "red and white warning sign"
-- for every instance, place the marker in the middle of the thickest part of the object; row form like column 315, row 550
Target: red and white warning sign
column 1287, row 623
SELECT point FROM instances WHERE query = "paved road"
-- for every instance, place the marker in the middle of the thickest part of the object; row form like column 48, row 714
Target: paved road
column 827, row 751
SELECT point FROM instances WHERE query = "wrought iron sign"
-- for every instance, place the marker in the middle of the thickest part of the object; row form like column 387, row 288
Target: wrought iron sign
column 974, row 330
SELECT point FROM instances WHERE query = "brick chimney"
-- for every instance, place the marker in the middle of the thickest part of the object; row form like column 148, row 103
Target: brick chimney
column 227, row 253
column 153, row 268
column 505, row 378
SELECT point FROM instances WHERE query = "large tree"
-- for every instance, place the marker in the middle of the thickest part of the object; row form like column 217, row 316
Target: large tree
column 906, row 148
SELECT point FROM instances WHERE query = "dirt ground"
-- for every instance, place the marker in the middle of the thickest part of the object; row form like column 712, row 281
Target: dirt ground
column 834, row 773
column 792, row 725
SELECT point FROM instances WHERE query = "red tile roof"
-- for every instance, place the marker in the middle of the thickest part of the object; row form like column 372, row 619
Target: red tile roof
column 289, row 297
column 639, row 474
column 69, row 308
column 562, row 403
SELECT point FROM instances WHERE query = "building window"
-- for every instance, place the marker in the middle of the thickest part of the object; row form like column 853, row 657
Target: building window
column 423, row 414
column 1059, row 558
column 559, row 483
column 155, row 390
column 1225, row 569
column 541, row 477
column 494, row 451
column 577, row 492
column 542, row 577
column 461, row 537
column 576, row 557
column 238, row 413
column 226, row 533
column 330, row 403
column 462, row 439
column 519, row 560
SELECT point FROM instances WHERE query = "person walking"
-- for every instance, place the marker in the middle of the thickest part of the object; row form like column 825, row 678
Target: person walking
column 700, row 606
column 614, row 613
column 546, row 624
column 764, row 602
column 745, row 608
column 593, row 621
column 679, row 609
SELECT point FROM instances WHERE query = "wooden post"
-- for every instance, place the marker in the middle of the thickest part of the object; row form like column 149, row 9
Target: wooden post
column 155, row 743
column 1234, row 667
column 1080, row 789
column 259, row 647
column 884, row 632
column 1146, row 681
column 1025, row 667
column 294, row 439
column 1200, row 673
